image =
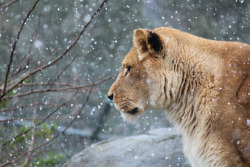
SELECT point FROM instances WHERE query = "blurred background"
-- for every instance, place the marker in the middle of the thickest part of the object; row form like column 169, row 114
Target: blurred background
column 58, row 60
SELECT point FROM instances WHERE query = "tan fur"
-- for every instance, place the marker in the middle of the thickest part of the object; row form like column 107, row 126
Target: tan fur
column 202, row 85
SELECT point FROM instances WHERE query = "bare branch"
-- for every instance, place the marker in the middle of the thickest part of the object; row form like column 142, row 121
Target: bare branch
column 14, row 48
column 30, row 148
column 65, row 68
column 97, row 82
column 72, row 88
column 39, row 123
column 29, row 57
column 37, row 118
column 9, row 3
column 44, row 84
column 68, row 89
column 22, row 78
column 27, row 106
column 15, row 79
column 55, row 136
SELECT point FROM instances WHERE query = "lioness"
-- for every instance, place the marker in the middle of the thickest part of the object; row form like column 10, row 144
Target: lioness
column 202, row 85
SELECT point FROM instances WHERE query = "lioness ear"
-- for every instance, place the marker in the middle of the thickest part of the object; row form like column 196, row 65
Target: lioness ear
column 147, row 42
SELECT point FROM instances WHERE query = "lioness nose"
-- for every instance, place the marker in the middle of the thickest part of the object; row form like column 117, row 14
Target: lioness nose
column 111, row 96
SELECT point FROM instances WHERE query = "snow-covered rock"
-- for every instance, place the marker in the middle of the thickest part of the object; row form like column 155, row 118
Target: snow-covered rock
column 156, row 148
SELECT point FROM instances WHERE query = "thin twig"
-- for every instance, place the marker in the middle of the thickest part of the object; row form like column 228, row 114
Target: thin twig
column 49, row 105
column 28, row 56
column 73, row 89
column 44, row 84
column 9, row 3
column 37, row 118
column 31, row 146
column 22, row 78
column 14, row 48
column 33, row 37
column 55, row 136
column 39, row 123
column 65, row 68
column 59, row 89
column 31, row 73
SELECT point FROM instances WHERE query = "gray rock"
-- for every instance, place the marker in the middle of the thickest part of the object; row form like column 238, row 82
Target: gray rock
column 156, row 148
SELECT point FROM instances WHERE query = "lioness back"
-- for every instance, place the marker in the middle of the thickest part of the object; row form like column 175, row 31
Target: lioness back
column 202, row 85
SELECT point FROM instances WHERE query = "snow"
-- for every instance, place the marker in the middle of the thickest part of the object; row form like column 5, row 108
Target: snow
column 160, row 147
column 248, row 122
column 52, row 27
column 38, row 44
column 86, row 18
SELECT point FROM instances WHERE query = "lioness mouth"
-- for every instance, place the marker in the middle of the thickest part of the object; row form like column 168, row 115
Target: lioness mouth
column 133, row 111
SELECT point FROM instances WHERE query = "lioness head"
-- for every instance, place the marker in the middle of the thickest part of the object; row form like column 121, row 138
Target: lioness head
column 141, row 84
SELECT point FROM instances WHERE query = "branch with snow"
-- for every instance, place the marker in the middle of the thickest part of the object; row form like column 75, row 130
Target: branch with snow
column 23, row 89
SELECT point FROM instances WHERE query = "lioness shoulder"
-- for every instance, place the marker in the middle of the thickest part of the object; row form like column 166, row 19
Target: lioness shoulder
column 202, row 85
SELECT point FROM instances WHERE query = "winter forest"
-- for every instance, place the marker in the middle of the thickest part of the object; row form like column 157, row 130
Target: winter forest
column 59, row 58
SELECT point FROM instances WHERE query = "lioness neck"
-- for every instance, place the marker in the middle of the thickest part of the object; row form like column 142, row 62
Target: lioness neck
column 193, row 82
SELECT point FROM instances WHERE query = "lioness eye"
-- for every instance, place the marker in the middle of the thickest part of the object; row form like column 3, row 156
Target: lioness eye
column 127, row 70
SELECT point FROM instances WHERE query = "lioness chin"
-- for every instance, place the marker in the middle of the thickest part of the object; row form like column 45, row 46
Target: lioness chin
column 202, row 85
